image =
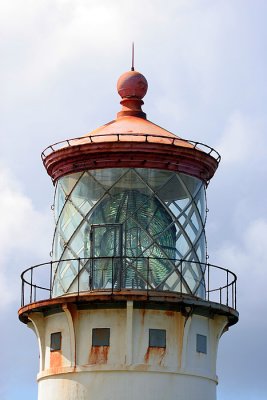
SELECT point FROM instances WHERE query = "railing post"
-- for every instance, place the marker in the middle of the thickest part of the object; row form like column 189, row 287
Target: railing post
column 147, row 276
column 220, row 295
column 31, row 288
column 235, row 295
column 233, row 306
column 227, row 287
column 120, row 273
column 91, row 277
column 22, row 292
column 112, row 275
column 50, row 286
column 181, row 276
column 79, row 266
column 208, row 282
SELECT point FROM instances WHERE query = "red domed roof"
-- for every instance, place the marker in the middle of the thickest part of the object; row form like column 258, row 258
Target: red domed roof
column 129, row 128
column 130, row 141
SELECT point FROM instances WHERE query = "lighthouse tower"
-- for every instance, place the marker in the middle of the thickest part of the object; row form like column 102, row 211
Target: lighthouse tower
column 129, row 308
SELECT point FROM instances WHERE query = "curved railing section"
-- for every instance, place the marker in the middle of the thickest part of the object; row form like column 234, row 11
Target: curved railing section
column 38, row 281
column 120, row 137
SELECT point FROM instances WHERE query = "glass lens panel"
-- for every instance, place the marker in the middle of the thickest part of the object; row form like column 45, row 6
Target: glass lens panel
column 136, row 224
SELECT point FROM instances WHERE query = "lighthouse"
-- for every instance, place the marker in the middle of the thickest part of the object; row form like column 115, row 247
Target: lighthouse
column 129, row 306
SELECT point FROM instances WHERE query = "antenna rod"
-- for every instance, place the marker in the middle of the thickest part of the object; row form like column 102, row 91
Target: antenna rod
column 132, row 69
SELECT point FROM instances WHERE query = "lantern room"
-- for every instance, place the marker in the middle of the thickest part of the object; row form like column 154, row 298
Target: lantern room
column 130, row 205
column 128, row 298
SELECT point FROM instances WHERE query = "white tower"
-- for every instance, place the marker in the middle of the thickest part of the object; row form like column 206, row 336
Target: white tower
column 129, row 308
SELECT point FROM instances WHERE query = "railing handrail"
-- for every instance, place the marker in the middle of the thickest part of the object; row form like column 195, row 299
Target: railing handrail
column 90, row 138
column 230, row 278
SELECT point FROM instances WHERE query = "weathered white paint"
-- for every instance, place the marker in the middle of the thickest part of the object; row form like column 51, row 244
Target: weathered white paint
column 129, row 368
column 127, row 386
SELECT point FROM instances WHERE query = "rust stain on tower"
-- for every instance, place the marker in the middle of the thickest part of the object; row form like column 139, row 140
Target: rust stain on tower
column 98, row 355
column 129, row 263
column 55, row 359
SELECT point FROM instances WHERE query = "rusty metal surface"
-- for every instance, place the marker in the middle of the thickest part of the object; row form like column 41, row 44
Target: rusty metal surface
column 98, row 355
column 154, row 300
column 56, row 359
column 219, row 282
column 155, row 355
column 130, row 137
column 121, row 154
column 132, row 84
column 130, row 125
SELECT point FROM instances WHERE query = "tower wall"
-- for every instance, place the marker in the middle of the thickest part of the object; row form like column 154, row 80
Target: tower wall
column 130, row 366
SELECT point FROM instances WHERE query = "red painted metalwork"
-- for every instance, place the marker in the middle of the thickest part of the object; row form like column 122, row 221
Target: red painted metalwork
column 168, row 301
column 132, row 87
column 130, row 154
column 130, row 141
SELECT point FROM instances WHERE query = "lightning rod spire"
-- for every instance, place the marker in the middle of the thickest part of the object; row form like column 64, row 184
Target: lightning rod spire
column 132, row 69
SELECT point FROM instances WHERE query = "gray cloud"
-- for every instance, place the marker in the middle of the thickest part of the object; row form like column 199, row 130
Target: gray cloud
column 206, row 64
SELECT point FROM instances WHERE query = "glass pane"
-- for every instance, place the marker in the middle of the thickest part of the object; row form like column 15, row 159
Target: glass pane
column 173, row 190
column 157, row 338
column 106, row 241
column 69, row 220
column 55, row 341
column 87, row 192
column 69, row 181
column 60, row 199
column 132, row 214
column 130, row 183
column 100, row 336
column 105, row 245
column 155, row 178
column 107, row 177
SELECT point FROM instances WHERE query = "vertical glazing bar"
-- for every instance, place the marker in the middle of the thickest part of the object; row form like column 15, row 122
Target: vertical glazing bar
column 34, row 293
column 233, row 306
column 220, row 295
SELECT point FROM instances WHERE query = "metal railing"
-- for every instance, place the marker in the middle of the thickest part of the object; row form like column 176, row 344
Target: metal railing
column 120, row 137
column 218, row 284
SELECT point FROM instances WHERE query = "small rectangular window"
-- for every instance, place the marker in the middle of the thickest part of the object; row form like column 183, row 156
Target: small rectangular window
column 55, row 341
column 201, row 344
column 157, row 338
column 100, row 336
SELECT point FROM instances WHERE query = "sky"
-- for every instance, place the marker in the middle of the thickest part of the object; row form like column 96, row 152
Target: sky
column 205, row 62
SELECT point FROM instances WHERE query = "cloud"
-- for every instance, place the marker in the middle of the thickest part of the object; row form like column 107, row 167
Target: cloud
column 24, row 234
column 242, row 139
column 242, row 347
column 247, row 257
column 206, row 64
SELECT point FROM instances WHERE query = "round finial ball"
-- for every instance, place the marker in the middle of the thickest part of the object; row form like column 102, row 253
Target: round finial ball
column 132, row 84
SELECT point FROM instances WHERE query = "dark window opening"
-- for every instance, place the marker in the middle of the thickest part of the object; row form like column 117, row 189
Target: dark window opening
column 202, row 344
column 100, row 337
column 55, row 341
column 157, row 338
